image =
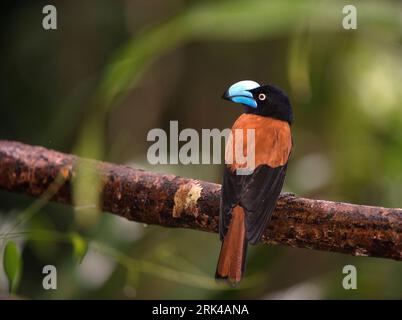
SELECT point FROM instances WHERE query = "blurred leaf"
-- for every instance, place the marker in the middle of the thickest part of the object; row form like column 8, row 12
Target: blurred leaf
column 37, row 225
column 86, row 192
column 12, row 264
column 229, row 21
column 132, row 60
column 80, row 247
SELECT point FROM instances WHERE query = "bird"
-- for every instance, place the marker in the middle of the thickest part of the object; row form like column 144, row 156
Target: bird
column 250, row 191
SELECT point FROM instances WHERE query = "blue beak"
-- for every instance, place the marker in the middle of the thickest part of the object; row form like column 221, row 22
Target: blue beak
column 239, row 93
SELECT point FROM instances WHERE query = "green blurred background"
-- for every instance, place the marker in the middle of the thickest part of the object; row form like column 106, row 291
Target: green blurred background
column 116, row 69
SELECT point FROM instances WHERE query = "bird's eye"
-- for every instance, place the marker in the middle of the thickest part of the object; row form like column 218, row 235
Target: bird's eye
column 262, row 96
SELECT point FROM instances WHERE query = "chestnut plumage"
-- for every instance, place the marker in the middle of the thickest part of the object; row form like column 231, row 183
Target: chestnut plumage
column 248, row 200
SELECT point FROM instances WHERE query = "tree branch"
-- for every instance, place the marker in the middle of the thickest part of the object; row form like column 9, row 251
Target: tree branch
column 172, row 201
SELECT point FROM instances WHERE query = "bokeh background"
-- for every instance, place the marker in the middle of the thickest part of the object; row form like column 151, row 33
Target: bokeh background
column 116, row 69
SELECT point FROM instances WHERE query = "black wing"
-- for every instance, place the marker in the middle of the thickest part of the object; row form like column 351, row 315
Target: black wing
column 255, row 193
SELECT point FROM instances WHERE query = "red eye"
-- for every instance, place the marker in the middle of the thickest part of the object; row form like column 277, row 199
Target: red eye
column 262, row 96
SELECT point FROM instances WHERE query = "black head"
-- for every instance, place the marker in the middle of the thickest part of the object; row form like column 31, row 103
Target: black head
column 266, row 100
column 271, row 102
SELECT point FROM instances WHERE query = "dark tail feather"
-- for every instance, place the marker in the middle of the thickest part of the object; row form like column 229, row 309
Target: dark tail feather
column 234, row 249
